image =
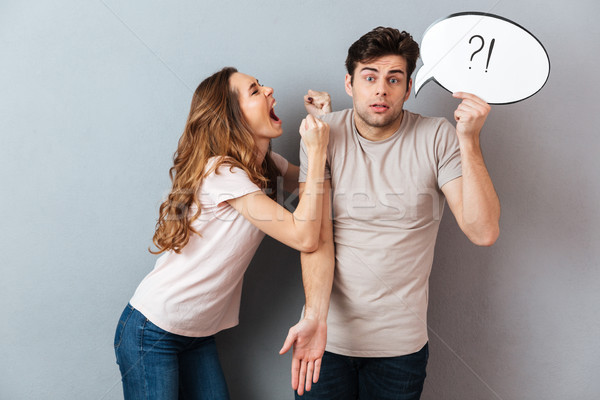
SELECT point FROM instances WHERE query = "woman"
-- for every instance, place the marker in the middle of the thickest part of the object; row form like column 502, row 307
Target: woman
column 219, row 208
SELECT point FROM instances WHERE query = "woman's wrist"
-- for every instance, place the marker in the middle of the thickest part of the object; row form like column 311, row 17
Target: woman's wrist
column 317, row 153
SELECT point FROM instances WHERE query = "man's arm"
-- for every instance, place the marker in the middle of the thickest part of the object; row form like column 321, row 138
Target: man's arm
column 472, row 197
column 290, row 179
column 309, row 336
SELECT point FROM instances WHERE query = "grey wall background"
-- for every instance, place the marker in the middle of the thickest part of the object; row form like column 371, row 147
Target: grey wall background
column 93, row 97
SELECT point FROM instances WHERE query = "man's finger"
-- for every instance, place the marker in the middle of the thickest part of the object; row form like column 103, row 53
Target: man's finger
column 302, row 378
column 295, row 373
column 464, row 95
column 473, row 99
column 317, row 371
column 309, row 374
column 289, row 341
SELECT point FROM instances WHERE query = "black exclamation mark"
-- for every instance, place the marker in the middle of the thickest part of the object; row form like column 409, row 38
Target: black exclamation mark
column 490, row 54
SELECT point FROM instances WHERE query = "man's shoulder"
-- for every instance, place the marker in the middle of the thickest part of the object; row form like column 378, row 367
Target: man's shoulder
column 340, row 125
column 431, row 132
column 338, row 117
column 423, row 120
column 429, row 129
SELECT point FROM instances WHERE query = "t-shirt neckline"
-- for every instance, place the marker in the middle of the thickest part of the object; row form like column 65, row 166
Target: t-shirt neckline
column 377, row 142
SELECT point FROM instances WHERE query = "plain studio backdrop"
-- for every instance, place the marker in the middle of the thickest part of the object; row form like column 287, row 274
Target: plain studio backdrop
column 93, row 98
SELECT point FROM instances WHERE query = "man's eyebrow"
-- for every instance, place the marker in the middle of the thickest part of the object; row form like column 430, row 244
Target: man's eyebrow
column 394, row 71
column 369, row 69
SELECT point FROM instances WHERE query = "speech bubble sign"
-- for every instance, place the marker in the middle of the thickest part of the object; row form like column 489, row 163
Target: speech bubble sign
column 484, row 54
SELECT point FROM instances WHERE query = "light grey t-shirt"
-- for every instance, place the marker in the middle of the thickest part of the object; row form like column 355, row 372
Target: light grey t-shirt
column 387, row 206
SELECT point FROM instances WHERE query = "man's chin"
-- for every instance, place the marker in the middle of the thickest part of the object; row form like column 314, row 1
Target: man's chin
column 383, row 122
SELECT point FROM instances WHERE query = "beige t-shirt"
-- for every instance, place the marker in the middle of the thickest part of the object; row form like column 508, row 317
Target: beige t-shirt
column 387, row 206
column 197, row 292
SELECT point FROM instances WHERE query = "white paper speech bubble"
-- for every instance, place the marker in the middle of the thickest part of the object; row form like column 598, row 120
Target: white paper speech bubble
column 483, row 54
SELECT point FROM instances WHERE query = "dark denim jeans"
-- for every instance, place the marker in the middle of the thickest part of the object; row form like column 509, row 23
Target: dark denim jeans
column 385, row 378
column 156, row 364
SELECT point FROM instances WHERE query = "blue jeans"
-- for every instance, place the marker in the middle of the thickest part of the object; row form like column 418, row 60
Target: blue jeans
column 156, row 364
column 385, row 378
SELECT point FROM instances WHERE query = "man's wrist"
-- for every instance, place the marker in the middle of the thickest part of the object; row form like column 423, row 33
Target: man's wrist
column 315, row 314
column 469, row 145
column 317, row 154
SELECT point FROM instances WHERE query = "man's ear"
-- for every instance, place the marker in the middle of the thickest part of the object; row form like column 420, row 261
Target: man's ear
column 348, row 84
column 409, row 90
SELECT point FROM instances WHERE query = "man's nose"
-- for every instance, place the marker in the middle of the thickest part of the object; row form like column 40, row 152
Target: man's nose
column 381, row 88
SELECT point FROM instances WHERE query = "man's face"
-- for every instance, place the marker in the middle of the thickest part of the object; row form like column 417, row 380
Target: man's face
column 379, row 90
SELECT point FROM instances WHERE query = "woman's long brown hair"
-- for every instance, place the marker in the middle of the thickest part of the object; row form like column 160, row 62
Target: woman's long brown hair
column 215, row 128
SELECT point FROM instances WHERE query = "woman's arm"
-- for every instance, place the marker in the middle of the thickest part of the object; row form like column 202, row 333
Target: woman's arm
column 316, row 104
column 299, row 229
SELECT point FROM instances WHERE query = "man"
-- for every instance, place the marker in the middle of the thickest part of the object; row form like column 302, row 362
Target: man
column 389, row 174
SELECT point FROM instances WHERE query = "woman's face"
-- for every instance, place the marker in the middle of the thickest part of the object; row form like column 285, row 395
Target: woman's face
column 256, row 103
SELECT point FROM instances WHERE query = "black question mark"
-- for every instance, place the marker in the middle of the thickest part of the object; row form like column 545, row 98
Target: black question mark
column 487, row 64
column 479, row 49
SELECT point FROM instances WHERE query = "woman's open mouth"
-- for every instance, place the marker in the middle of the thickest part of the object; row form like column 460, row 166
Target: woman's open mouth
column 273, row 116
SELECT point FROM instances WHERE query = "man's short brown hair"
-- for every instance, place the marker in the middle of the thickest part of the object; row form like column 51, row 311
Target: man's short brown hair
column 383, row 42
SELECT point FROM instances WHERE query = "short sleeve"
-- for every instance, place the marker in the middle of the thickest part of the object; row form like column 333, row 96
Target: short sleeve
column 227, row 183
column 304, row 165
column 280, row 162
column 448, row 154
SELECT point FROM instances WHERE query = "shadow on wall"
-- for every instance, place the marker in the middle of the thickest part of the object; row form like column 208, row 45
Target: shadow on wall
column 272, row 300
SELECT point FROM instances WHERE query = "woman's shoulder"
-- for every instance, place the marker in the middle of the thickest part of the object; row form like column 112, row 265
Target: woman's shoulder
column 218, row 164
column 224, row 180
